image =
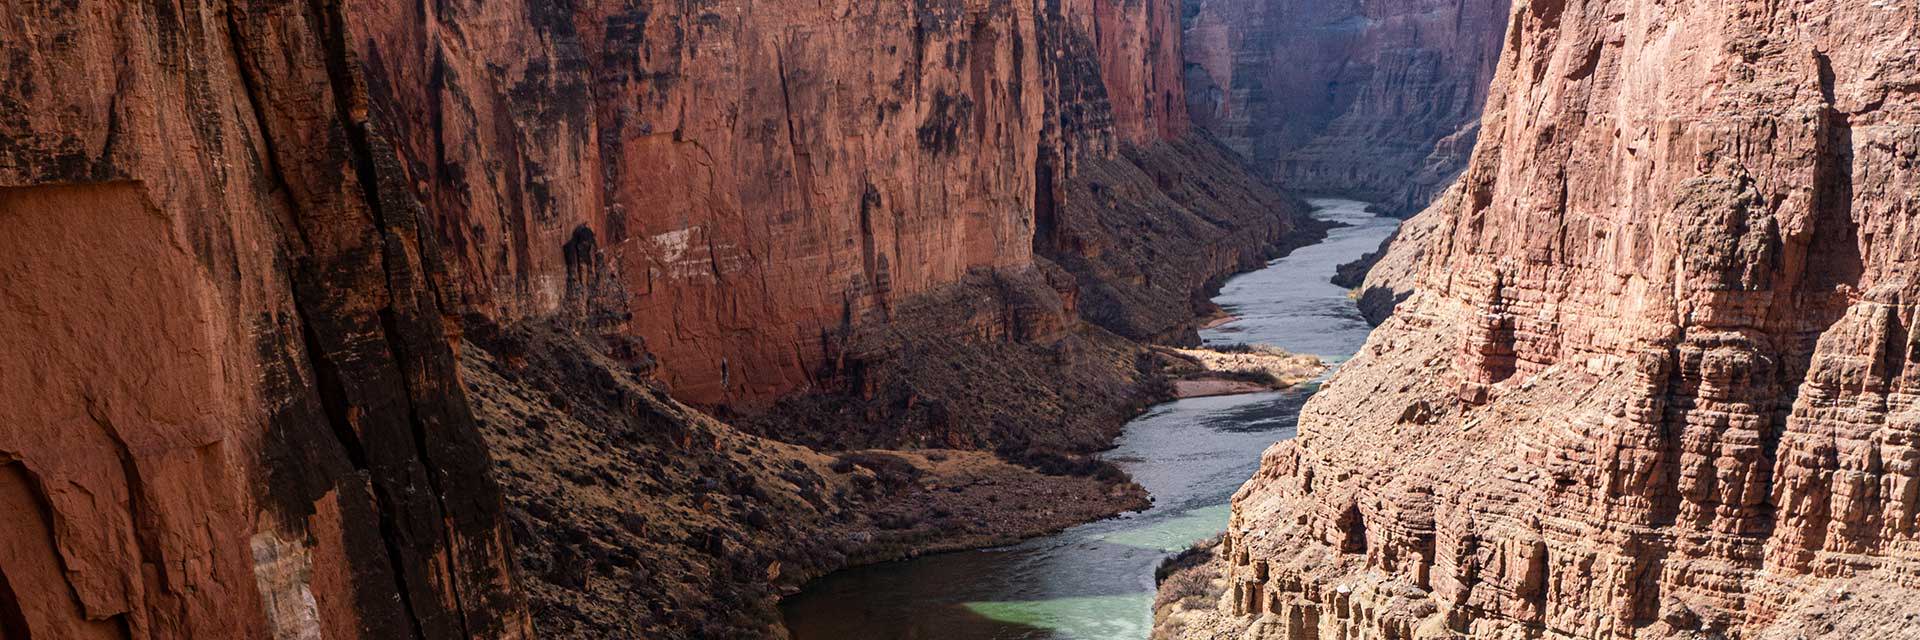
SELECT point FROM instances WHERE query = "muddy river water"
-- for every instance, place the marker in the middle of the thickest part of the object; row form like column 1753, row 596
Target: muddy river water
column 1095, row 581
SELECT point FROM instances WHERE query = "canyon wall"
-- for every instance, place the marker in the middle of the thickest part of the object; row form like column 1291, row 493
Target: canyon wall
column 1659, row 376
column 1377, row 100
column 230, row 403
column 733, row 181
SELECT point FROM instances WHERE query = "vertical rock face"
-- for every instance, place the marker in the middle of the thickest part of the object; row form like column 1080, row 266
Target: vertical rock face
column 230, row 404
column 731, row 181
column 1374, row 99
column 1139, row 51
column 1659, row 377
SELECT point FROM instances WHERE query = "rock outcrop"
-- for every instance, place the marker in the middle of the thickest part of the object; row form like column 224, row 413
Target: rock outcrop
column 1373, row 100
column 731, row 181
column 636, row 516
column 1385, row 277
column 1050, row 357
column 230, row 401
column 1658, row 379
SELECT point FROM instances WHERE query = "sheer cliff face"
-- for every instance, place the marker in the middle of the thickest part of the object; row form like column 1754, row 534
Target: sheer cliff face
column 1659, row 377
column 731, row 181
column 229, row 405
column 1374, row 99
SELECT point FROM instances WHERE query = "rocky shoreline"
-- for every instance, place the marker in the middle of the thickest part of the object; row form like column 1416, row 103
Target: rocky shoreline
column 1189, row 599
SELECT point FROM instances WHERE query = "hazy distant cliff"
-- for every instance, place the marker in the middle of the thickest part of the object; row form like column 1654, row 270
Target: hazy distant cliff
column 1377, row 100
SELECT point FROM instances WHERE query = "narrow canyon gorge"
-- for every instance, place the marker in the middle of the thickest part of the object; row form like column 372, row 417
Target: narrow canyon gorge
column 630, row 318
column 1376, row 100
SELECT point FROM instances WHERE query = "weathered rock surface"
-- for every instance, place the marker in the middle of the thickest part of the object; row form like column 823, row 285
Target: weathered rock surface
column 1385, row 277
column 1659, row 377
column 1374, row 100
column 230, row 406
column 1003, row 365
column 730, row 180
column 1050, row 357
column 1153, row 233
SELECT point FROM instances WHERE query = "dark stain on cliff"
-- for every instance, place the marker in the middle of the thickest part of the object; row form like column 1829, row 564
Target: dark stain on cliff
column 940, row 132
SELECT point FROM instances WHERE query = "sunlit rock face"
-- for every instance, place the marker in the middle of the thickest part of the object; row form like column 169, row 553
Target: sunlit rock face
column 1658, row 379
column 731, row 181
column 1378, row 100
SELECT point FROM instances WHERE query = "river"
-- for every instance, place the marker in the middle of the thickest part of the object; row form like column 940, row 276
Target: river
column 1095, row 581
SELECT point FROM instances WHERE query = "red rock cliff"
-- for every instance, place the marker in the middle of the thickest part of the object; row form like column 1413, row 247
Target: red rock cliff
column 1659, row 379
column 229, row 406
column 1374, row 99
column 730, row 181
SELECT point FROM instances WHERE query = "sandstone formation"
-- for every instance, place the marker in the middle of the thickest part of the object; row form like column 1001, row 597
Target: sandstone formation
column 1049, row 357
column 1372, row 100
column 1658, row 378
column 730, row 181
column 230, row 403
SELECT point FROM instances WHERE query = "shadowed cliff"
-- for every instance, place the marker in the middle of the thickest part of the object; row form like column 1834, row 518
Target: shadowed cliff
column 1377, row 101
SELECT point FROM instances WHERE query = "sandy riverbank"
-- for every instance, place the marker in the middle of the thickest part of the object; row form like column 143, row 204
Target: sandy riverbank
column 1240, row 369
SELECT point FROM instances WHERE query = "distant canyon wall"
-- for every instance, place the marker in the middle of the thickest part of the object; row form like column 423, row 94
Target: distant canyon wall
column 732, row 181
column 1658, row 378
column 1377, row 100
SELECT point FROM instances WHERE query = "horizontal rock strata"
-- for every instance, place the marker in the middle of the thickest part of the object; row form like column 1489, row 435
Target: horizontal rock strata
column 1657, row 379
column 731, row 180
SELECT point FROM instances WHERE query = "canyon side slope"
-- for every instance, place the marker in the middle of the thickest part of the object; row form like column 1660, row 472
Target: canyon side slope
column 575, row 319
column 1376, row 100
column 1658, row 379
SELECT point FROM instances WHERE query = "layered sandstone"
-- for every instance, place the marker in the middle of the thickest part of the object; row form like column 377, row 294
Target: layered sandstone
column 1658, row 380
column 1051, row 357
column 1373, row 100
